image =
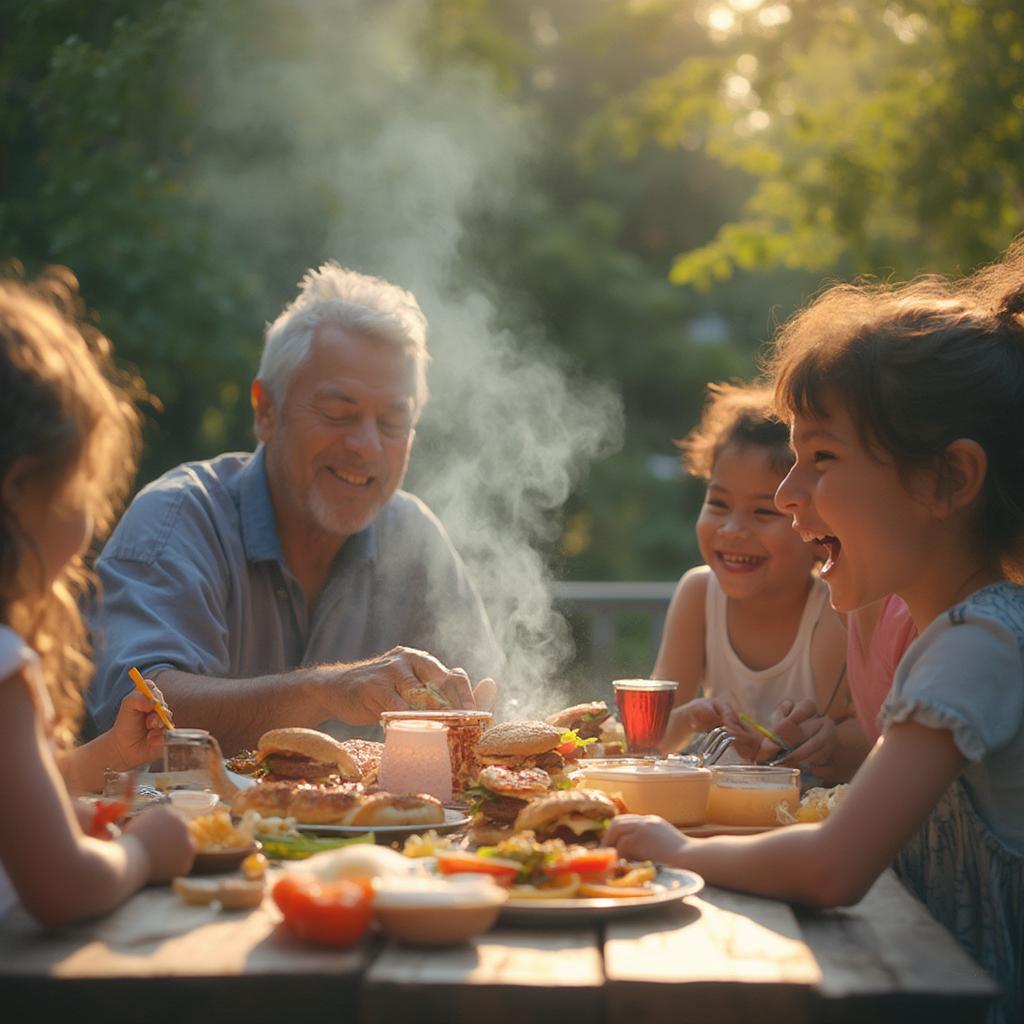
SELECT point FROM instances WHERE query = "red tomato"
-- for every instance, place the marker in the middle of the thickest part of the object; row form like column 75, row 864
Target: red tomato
column 569, row 750
column 457, row 862
column 587, row 864
column 329, row 913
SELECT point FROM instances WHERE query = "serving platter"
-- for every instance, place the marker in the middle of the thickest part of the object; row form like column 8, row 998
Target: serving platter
column 454, row 819
column 712, row 829
column 670, row 885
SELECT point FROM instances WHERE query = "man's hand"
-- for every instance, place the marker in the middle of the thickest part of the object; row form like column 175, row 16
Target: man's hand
column 358, row 693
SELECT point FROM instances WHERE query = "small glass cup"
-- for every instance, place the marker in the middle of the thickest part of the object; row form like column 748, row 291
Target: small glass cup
column 416, row 759
column 750, row 794
column 644, row 706
column 187, row 754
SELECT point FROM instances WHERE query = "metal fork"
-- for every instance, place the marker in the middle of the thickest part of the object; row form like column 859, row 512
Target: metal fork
column 714, row 744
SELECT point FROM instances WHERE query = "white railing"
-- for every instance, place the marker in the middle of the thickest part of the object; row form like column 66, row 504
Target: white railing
column 602, row 605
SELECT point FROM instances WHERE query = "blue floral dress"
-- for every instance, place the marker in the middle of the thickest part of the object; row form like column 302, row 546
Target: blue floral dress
column 965, row 673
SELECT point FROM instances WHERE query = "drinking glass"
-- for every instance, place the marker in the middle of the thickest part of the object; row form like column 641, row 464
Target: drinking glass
column 644, row 706
column 187, row 754
column 416, row 759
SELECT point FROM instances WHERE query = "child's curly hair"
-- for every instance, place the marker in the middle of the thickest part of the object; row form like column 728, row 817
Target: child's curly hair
column 69, row 412
column 735, row 414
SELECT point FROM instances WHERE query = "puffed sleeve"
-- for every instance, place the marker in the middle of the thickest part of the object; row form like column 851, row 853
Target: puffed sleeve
column 964, row 676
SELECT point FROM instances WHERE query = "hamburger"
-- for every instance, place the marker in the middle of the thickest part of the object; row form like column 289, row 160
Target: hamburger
column 390, row 809
column 584, row 719
column 307, row 803
column 306, row 755
column 520, row 745
column 498, row 797
column 569, row 815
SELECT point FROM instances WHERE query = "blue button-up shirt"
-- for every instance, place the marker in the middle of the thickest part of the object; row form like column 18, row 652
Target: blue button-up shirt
column 193, row 579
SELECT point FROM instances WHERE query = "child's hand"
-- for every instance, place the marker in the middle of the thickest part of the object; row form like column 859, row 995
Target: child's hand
column 697, row 715
column 167, row 840
column 137, row 733
column 644, row 837
column 812, row 736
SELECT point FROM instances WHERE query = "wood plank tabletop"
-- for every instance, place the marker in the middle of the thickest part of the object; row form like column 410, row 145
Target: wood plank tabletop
column 716, row 957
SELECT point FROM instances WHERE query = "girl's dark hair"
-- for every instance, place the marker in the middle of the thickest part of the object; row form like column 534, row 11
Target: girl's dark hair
column 918, row 366
column 69, row 417
column 735, row 414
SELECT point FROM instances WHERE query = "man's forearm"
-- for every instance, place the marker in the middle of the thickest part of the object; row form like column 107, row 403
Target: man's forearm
column 238, row 711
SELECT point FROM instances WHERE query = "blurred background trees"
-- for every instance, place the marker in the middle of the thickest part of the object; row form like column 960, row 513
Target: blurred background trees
column 683, row 174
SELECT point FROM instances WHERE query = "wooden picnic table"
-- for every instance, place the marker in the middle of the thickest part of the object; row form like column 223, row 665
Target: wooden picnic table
column 716, row 957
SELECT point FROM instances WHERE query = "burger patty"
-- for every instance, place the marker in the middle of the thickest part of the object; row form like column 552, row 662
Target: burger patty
column 503, row 809
column 296, row 766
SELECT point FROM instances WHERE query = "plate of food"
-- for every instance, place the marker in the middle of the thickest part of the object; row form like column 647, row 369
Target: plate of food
column 669, row 885
column 711, row 829
column 554, row 882
column 390, row 825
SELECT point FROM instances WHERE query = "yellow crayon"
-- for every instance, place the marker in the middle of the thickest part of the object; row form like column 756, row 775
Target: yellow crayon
column 143, row 687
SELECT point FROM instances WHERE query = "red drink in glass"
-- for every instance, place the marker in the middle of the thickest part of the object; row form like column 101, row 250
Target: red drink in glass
column 644, row 706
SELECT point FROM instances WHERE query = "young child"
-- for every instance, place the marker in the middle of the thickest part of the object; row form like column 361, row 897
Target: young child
column 753, row 625
column 879, row 635
column 907, row 412
column 68, row 440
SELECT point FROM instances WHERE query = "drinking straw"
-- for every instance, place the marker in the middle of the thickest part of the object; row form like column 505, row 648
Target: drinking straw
column 143, row 687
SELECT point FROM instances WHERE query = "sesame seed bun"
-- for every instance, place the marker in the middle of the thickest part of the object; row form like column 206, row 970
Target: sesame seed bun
column 367, row 755
column 545, row 813
column 525, row 783
column 382, row 809
column 518, row 739
column 312, row 745
column 570, row 718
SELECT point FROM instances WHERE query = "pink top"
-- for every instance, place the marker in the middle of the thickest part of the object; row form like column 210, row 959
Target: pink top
column 871, row 673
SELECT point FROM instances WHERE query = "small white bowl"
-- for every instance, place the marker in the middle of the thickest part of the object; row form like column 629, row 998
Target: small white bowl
column 193, row 803
column 436, row 912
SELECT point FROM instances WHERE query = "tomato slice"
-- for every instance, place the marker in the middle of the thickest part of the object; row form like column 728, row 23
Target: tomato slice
column 588, row 864
column 458, row 862
column 330, row 914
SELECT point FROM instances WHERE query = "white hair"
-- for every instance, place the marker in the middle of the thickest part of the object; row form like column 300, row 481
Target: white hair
column 332, row 294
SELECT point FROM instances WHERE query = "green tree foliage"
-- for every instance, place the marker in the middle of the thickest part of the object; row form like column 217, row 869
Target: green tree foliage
column 883, row 136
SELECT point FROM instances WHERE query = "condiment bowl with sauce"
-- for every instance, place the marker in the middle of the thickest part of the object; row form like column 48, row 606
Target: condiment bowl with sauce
column 750, row 794
column 677, row 792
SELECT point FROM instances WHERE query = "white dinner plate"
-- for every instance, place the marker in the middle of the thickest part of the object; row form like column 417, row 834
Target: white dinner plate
column 711, row 829
column 670, row 885
column 454, row 818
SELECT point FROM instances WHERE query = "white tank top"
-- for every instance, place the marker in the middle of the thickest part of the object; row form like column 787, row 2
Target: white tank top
column 758, row 691
column 16, row 655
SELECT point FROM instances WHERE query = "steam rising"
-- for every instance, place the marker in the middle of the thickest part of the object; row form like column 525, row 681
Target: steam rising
column 402, row 152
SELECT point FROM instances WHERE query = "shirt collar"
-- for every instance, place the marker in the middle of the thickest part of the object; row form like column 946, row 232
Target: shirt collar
column 259, row 528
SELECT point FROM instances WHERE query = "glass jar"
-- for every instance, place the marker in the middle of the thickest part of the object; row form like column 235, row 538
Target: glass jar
column 464, row 731
column 750, row 794
column 187, row 757
column 416, row 759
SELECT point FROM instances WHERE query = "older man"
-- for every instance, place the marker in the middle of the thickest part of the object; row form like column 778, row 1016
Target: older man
column 295, row 585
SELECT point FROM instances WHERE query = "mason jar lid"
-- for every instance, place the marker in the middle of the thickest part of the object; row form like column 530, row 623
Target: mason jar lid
column 451, row 716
